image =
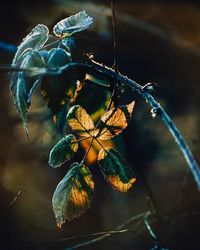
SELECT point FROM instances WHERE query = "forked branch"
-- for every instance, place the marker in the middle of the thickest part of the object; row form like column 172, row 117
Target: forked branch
column 157, row 109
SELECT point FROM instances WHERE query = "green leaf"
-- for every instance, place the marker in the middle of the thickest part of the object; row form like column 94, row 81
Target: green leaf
column 34, row 40
column 80, row 121
column 22, row 87
column 74, row 194
column 60, row 118
column 57, row 90
column 73, row 24
column 63, row 151
column 115, row 170
column 115, row 121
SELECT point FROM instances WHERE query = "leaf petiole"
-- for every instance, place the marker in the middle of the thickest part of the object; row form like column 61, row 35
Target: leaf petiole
column 82, row 139
column 88, row 150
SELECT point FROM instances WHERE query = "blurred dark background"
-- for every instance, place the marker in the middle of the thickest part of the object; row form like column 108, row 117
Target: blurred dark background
column 159, row 41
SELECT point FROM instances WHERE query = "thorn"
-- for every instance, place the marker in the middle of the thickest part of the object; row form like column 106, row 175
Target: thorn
column 154, row 112
column 150, row 87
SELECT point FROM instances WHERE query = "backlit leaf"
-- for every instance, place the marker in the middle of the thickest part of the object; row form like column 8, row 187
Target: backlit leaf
column 74, row 194
column 79, row 120
column 115, row 170
column 22, row 87
column 115, row 121
column 72, row 24
column 58, row 89
column 63, row 151
column 92, row 155
column 34, row 40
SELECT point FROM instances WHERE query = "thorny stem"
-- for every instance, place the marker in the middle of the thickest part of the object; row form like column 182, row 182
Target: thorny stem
column 109, row 73
column 93, row 67
column 150, row 197
column 156, row 107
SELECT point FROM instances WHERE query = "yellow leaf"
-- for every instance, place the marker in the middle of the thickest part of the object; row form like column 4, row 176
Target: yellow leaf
column 118, row 185
column 115, row 121
column 74, row 194
column 80, row 121
column 115, row 170
column 93, row 153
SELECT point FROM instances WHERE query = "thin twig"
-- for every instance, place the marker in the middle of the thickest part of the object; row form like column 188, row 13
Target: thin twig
column 115, row 47
column 81, row 139
column 149, row 228
column 15, row 199
column 157, row 109
column 88, row 150
column 89, row 242
column 75, row 237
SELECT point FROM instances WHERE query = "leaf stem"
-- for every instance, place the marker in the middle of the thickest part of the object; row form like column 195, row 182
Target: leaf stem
column 52, row 43
column 88, row 150
column 157, row 109
column 82, row 139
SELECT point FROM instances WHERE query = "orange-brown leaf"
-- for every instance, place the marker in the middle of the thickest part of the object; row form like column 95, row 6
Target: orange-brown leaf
column 74, row 194
column 115, row 170
column 115, row 121
column 80, row 121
